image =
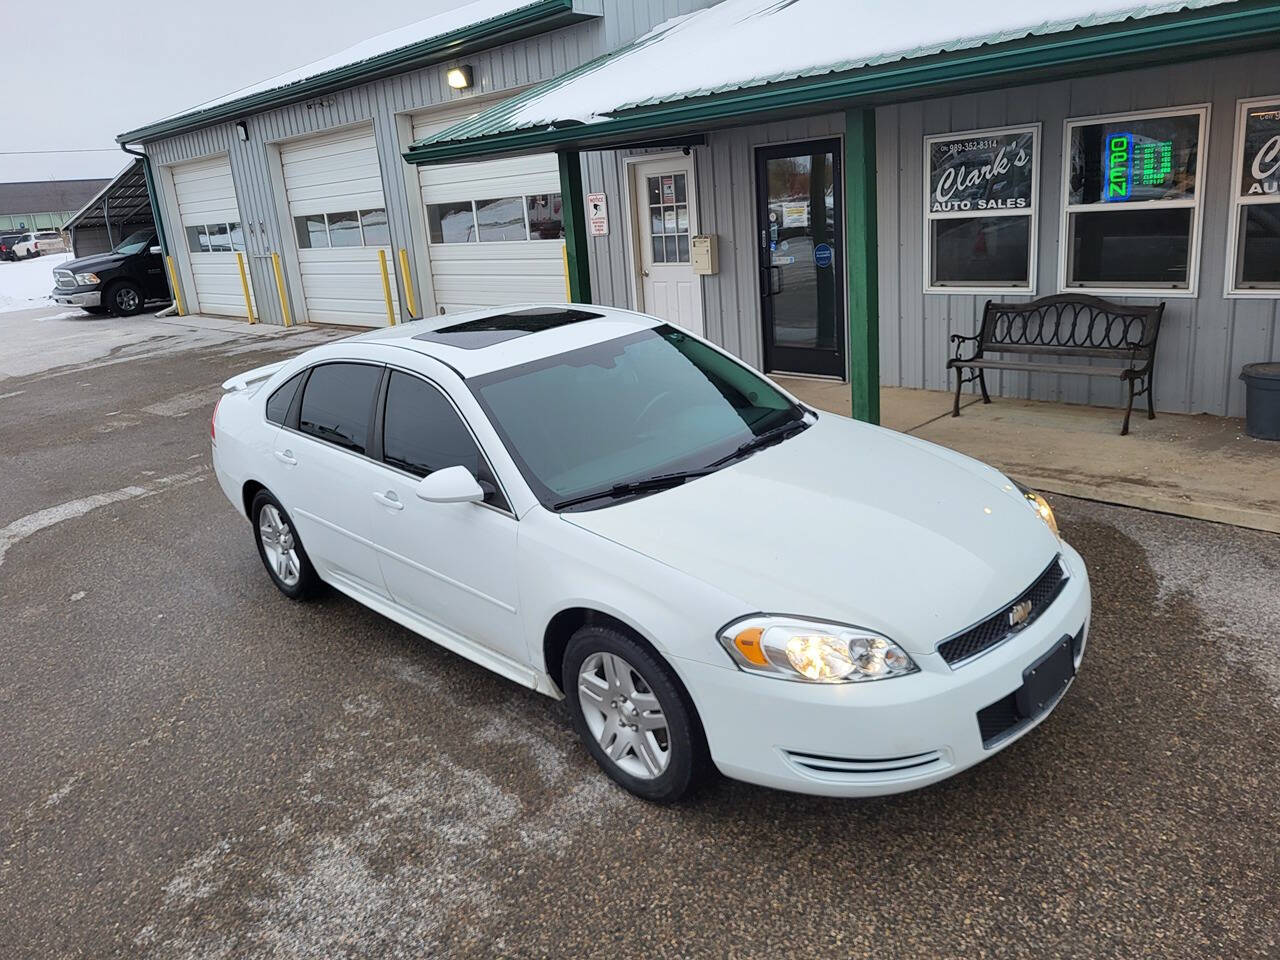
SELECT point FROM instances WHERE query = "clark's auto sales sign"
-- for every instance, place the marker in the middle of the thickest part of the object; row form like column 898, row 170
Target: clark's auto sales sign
column 981, row 173
column 1261, row 157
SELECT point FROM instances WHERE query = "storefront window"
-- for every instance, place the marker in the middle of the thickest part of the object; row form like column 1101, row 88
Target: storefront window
column 1255, row 243
column 981, row 209
column 1132, row 192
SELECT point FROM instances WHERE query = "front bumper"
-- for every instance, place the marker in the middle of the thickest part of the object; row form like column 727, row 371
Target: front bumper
column 886, row 736
column 91, row 298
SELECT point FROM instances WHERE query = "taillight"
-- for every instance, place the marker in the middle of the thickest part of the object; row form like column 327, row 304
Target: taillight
column 213, row 430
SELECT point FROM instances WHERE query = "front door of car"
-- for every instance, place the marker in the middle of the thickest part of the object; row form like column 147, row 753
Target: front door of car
column 451, row 564
column 321, row 473
column 152, row 268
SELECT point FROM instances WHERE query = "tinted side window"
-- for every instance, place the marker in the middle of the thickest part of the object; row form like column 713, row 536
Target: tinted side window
column 422, row 432
column 278, row 402
column 337, row 401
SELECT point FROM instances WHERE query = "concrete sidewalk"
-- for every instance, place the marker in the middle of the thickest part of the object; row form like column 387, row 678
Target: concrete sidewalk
column 1193, row 466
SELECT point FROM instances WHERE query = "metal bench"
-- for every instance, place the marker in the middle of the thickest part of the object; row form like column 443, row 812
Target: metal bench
column 1065, row 325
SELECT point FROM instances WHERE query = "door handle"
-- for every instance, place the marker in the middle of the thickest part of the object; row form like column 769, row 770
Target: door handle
column 644, row 273
column 287, row 457
column 388, row 499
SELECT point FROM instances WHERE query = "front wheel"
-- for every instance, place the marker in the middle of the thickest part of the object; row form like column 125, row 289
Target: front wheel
column 124, row 298
column 631, row 714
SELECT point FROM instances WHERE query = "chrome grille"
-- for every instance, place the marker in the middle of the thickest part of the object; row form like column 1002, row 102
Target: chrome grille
column 999, row 626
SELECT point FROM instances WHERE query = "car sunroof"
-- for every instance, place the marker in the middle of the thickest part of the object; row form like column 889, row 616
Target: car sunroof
column 485, row 332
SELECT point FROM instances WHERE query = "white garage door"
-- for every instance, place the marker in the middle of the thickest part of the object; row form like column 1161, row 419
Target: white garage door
column 334, row 187
column 211, row 222
column 494, row 229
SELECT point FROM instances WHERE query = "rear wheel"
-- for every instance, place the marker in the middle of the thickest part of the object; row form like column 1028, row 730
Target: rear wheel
column 124, row 298
column 281, row 550
column 631, row 714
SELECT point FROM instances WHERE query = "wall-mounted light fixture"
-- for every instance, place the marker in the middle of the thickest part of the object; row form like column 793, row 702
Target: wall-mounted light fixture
column 459, row 77
column 242, row 131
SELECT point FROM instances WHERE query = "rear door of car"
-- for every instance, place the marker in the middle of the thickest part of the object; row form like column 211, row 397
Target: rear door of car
column 322, row 474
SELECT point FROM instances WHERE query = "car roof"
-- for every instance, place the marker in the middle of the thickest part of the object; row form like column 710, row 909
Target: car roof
column 477, row 342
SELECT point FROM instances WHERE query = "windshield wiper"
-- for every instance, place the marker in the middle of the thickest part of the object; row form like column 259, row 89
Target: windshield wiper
column 662, row 481
column 768, row 438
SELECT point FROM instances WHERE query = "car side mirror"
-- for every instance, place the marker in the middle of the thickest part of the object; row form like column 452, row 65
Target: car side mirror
column 450, row 485
column 155, row 249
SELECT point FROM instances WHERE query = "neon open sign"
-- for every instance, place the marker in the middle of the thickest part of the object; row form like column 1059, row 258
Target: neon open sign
column 1146, row 163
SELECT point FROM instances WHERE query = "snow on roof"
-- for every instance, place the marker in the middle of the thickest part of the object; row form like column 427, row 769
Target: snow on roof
column 466, row 15
column 746, row 43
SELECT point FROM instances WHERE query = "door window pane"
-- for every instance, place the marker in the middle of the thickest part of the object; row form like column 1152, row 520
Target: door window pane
column 278, row 403
column 659, row 250
column 376, row 231
column 422, row 432
column 337, row 401
column 1258, row 260
column 196, row 241
column 1135, row 247
column 669, row 219
column 344, row 229
column 311, row 231
column 237, row 236
column 546, row 220
column 501, row 219
column 451, row 222
column 977, row 250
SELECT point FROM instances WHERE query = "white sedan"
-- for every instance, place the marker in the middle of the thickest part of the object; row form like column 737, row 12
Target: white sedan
column 606, row 508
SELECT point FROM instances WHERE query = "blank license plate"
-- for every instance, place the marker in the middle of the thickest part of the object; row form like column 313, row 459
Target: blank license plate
column 1045, row 679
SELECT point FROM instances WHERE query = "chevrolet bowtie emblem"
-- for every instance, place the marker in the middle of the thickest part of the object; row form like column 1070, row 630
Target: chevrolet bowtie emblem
column 1019, row 612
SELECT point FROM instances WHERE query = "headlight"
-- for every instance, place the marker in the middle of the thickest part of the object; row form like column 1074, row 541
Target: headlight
column 1041, row 506
column 87, row 279
column 814, row 652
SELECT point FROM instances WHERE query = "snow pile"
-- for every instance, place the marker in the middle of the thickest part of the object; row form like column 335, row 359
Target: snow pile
column 745, row 43
column 26, row 284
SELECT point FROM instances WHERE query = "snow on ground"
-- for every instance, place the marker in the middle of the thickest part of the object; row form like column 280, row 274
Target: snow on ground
column 26, row 284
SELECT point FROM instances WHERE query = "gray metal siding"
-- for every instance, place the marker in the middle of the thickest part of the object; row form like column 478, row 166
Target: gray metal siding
column 1204, row 340
column 502, row 68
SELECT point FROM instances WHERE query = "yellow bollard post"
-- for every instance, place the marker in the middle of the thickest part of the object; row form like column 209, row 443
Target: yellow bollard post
column 177, row 291
column 244, row 285
column 386, row 287
column 408, row 281
column 284, row 300
column 564, row 255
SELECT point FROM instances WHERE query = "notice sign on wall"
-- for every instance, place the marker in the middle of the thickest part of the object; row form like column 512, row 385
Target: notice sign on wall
column 597, row 215
column 990, row 172
column 1261, row 155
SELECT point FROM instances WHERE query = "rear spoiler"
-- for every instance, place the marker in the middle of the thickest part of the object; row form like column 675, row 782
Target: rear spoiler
column 241, row 381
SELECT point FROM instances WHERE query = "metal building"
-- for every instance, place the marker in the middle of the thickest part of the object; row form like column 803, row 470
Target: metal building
column 832, row 202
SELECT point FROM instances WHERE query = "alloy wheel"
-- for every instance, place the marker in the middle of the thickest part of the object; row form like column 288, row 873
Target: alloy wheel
column 279, row 545
column 624, row 715
column 127, row 299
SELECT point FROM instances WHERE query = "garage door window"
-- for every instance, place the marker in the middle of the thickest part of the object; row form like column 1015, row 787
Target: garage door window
column 1133, row 201
column 215, row 238
column 336, row 403
column 528, row 217
column 348, row 228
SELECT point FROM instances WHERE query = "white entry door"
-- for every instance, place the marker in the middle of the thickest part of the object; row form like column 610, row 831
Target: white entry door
column 664, row 219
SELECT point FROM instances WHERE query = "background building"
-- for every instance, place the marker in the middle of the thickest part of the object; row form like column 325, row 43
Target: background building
column 43, row 204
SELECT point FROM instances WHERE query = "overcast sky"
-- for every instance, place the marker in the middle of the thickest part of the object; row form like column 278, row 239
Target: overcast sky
column 78, row 72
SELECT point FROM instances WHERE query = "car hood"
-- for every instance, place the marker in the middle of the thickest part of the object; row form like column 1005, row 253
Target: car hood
column 851, row 523
column 99, row 261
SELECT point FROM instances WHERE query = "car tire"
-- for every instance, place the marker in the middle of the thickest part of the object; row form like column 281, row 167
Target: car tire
column 281, row 551
column 124, row 298
column 624, row 681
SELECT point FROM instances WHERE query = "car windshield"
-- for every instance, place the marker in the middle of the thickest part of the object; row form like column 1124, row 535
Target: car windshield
column 134, row 243
column 583, row 424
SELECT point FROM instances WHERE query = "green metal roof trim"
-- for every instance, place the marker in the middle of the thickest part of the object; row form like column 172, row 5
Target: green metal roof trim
column 536, row 17
column 1196, row 28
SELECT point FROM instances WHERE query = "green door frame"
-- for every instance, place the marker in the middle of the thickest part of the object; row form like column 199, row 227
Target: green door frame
column 861, row 262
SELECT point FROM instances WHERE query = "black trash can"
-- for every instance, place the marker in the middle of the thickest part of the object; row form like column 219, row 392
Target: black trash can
column 1261, row 400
